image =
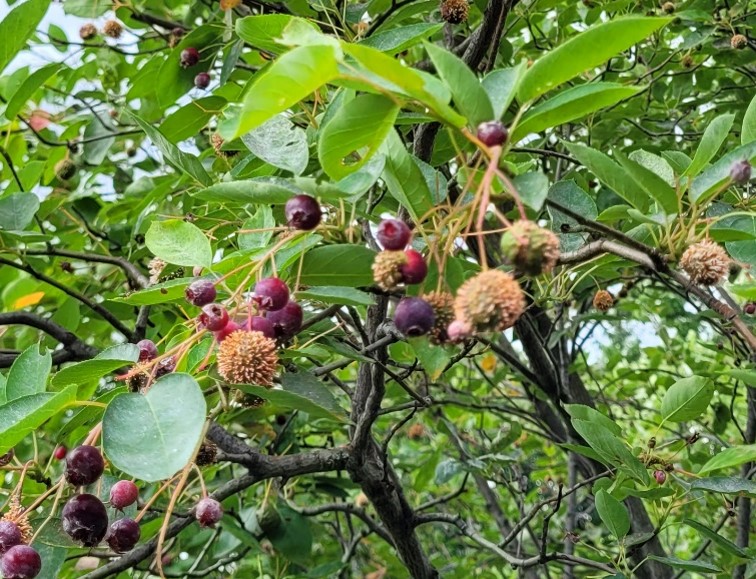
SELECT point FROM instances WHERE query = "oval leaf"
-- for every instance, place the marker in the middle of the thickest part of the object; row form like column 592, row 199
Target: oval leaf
column 179, row 242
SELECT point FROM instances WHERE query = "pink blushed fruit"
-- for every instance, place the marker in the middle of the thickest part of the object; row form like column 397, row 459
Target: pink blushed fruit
column 124, row 493
column 271, row 294
column 209, row 512
column 393, row 234
column 492, row 133
column 660, row 476
column 415, row 270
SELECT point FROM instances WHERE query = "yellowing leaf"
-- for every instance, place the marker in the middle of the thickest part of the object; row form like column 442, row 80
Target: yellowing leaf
column 31, row 299
column 488, row 363
column 229, row 4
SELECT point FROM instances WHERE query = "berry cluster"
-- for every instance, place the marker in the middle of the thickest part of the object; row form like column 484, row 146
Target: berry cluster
column 397, row 265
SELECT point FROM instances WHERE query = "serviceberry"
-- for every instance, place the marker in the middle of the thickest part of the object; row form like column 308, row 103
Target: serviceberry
column 262, row 325
column 271, row 294
column 393, row 234
column 214, row 317
column 492, row 133
column 227, row 330
column 10, row 535
column 209, row 512
column 123, row 535
column 84, row 465
column 740, row 172
column 200, row 292
column 302, row 212
column 60, row 452
column 287, row 321
column 189, row 57
column 415, row 270
column 202, row 80
column 147, row 350
column 85, row 519
column 124, row 493
column 413, row 316
column 20, row 562
column 660, row 476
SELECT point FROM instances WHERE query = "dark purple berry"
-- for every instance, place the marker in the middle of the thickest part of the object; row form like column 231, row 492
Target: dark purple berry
column 165, row 366
column 393, row 234
column 200, row 292
column 209, row 511
column 740, row 172
column 271, row 294
column 660, row 476
column 84, row 465
column 227, row 330
column 85, row 519
column 202, row 80
column 302, row 212
column 123, row 535
column 20, row 562
column 750, row 308
column 189, row 57
column 288, row 321
column 414, row 316
column 147, row 350
column 214, row 317
column 415, row 270
column 262, row 325
column 10, row 535
column 124, row 493
column 492, row 133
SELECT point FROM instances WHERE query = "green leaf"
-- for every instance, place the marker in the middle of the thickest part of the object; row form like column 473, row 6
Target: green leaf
column 572, row 104
column 400, row 39
column 179, row 242
column 469, row 95
column 713, row 137
column 160, row 293
column 501, row 86
column 687, row 399
column 17, row 210
column 656, row 164
column 288, row 80
column 404, row 178
column 301, row 391
column 612, row 450
column 337, row 295
column 708, row 183
column 292, row 537
column 694, row 566
column 17, row 26
column 354, row 134
column 281, row 143
column 585, row 51
column 262, row 220
column 95, row 152
column 23, row 415
column 190, row 119
column 170, row 419
column 28, row 88
column 582, row 412
column 184, row 162
column 613, row 513
column 733, row 456
column 748, row 132
column 533, row 188
column 266, row 31
column 725, row 544
column 28, row 374
column 656, row 187
column 747, row 376
column 433, row 358
column 104, row 363
column 260, row 190
column 338, row 265
column 568, row 194
column 87, row 8
column 725, row 484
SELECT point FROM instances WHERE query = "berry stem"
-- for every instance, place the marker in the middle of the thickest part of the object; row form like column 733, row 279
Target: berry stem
column 164, row 527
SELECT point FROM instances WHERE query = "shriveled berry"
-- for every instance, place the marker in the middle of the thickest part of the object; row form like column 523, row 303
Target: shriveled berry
column 413, row 316
column 84, row 465
column 123, row 535
column 189, row 57
column 60, row 452
column 200, row 292
column 415, row 270
column 393, row 234
column 214, row 317
column 10, row 535
column 202, row 80
column 227, row 330
column 287, row 321
column 147, row 350
column 492, row 133
column 271, row 294
column 209, row 512
column 124, row 493
column 20, row 562
column 302, row 212
column 260, row 324
column 165, row 366
column 85, row 519
column 740, row 172
column 660, row 476
column 750, row 308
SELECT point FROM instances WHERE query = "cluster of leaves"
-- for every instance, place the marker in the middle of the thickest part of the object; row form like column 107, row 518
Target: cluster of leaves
column 535, row 448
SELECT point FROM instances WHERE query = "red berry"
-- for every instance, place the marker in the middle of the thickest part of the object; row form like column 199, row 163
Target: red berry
column 124, row 493
column 202, row 80
column 271, row 294
column 262, row 325
column 209, row 511
column 60, row 452
column 10, row 535
column 189, row 57
column 147, row 350
column 214, row 317
column 84, row 465
column 200, row 292
column 414, row 316
column 288, row 321
column 165, row 366
column 123, row 535
column 302, row 212
column 740, row 172
column 750, row 308
column 415, row 270
column 229, row 329
column 492, row 133
column 85, row 519
column 393, row 234
column 20, row 562
column 660, row 476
